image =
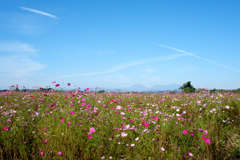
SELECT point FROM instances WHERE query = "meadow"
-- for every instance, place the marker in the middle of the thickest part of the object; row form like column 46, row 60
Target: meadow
column 91, row 125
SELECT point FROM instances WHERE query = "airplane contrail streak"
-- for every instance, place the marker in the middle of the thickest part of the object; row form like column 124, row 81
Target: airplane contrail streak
column 198, row 57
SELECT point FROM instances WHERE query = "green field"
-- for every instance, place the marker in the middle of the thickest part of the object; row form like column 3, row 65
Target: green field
column 90, row 125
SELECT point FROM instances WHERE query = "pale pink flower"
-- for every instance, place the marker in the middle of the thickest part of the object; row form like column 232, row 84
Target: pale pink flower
column 103, row 157
column 92, row 129
column 118, row 107
column 205, row 132
column 132, row 145
column 190, row 154
column 122, row 113
column 124, row 134
column 162, row 149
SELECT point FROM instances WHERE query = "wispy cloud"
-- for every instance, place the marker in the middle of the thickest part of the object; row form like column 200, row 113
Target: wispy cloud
column 18, row 64
column 198, row 57
column 39, row 12
column 16, row 47
column 127, row 65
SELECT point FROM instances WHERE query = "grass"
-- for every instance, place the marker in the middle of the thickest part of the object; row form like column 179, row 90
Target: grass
column 56, row 125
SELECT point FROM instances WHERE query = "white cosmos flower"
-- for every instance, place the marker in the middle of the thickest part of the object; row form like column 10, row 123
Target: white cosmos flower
column 122, row 113
column 124, row 134
column 119, row 107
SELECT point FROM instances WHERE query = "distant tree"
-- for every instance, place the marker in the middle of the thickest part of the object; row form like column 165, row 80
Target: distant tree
column 187, row 87
column 213, row 90
column 101, row 91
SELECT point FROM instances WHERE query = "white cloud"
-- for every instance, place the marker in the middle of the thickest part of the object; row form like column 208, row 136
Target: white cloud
column 18, row 63
column 198, row 57
column 39, row 12
column 17, row 66
column 127, row 65
column 16, row 47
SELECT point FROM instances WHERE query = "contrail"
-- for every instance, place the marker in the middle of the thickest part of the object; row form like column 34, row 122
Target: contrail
column 198, row 57
column 39, row 12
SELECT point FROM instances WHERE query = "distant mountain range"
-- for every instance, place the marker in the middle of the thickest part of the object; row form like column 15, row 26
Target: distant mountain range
column 141, row 88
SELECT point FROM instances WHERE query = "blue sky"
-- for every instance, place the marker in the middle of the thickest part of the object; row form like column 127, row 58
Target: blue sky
column 114, row 44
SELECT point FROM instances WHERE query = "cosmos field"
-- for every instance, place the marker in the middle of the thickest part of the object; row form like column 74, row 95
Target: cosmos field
column 129, row 125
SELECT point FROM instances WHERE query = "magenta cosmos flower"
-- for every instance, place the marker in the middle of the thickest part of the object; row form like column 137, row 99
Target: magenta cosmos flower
column 146, row 124
column 184, row 132
column 68, row 84
column 57, row 85
column 5, row 128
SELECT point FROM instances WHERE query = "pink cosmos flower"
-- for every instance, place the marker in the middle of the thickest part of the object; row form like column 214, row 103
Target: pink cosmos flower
column 72, row 113
column 118, row 107
column 87, row 89
column 184, row 131
column 207, row 140
column 190, row 154
column 53, row 82
column 162, row 149
column 57, row 85
column 45, row 141
column 124, row 134
column 59, row 153
column 83, row 104
column 205, row 132
column 62, row 120
column 68, row 84
column 68, row 123
column 146, row 124
column 42, row 153
column 5, row 128
column 155, row 117
column 90, row 137
column 192, row 134
column 92, row 129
